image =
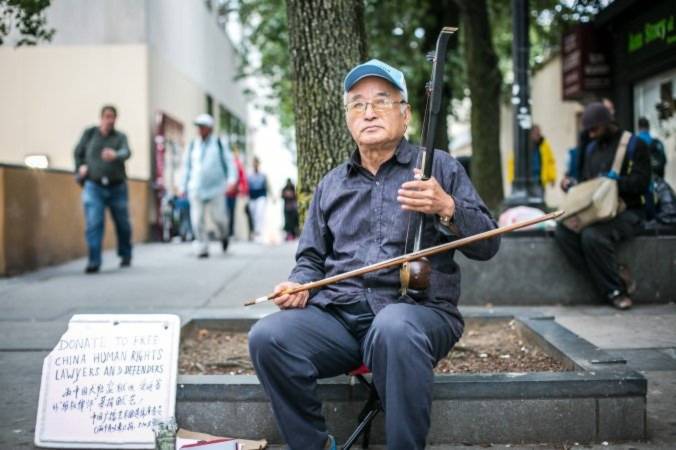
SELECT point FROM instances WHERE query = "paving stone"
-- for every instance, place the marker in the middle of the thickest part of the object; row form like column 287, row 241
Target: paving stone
column 646, row 359
column 20, row 374
column 30, row 335
column 622, row 331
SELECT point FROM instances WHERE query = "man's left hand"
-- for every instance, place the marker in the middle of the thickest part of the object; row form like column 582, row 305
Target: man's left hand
column 426, row 197
column 108, row 154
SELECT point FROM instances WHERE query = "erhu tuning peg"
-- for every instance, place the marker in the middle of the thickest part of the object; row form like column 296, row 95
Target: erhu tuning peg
column 430, row 56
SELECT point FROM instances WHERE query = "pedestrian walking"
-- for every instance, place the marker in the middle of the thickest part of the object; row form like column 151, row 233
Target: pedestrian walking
column 290, row 210
column 239, row 189
column 258, row 194
column 208, row 171
column 99, row 161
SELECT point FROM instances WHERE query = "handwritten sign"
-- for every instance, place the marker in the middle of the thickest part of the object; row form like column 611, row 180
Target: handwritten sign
column 106, row 380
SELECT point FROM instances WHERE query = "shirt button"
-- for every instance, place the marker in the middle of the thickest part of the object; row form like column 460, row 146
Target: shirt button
column 368, row 289
column 377, row 183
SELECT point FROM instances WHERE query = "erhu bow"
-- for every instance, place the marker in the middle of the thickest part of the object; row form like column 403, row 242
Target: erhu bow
column 407, row 258
column 415, row 274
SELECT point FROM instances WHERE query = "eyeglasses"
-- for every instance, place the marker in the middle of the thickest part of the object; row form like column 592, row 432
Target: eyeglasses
column 379, row 105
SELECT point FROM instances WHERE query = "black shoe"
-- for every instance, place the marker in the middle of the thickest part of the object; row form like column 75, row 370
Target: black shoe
column 203, row 255
column 91, row 269
column 623, row 302
column 125, row 262
column 224, row 244
column 620, row 300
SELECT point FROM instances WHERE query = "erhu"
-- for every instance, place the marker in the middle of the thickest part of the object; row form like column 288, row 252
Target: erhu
column 415, row 275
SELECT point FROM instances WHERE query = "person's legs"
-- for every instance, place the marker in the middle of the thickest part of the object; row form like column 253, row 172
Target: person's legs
column 569, row 243
column 219, row 217
column 231, row 203
column 401, row 348
column 599, row 242
column 199, row 226
column 118, row 202
column 249, row 217
column 287, row 222
column 93, row 202
column 259, row 215
column 290, row 350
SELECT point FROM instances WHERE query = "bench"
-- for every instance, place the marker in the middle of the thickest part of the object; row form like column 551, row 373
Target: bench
column 530, row 270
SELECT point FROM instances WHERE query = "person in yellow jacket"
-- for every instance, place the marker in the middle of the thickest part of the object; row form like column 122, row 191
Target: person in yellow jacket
column 542, row 165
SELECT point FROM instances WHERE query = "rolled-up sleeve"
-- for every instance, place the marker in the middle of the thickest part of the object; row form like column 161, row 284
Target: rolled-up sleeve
column 314, row 244
column 123, row 152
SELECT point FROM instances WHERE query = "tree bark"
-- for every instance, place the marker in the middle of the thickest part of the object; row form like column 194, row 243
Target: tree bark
column 326, row 39
column 484, row 81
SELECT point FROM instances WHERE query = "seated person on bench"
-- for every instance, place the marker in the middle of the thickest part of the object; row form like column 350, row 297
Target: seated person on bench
column 358, row 216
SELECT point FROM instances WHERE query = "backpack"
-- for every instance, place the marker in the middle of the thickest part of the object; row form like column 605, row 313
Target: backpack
column 666, row 203
column 88, row 135
column 658, row 158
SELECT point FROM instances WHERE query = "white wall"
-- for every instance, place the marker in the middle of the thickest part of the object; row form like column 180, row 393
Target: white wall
column 557, row 120
column 51, row 93
column 97, row 22
column 185, row 38
column 646, row 96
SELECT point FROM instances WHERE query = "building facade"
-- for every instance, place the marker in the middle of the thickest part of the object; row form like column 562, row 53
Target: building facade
column 160, row 62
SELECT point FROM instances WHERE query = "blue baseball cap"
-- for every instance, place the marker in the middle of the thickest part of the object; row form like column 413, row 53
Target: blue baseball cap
column 377, row 68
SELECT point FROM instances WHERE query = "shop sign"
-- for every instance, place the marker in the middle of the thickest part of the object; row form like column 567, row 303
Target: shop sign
column 585, row 65
column 651, row 36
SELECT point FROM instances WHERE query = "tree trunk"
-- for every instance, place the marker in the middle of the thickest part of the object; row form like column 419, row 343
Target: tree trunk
column 484, row 81
column 326, row 39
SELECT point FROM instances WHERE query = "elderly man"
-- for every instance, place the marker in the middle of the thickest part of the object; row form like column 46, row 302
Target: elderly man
column 208, row 171
column 358, row 216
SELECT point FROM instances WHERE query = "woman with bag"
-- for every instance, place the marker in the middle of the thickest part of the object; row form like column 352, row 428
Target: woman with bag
column 590, row 230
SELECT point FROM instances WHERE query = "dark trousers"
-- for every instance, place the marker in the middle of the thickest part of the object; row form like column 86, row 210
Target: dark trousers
column 291, row 222
column 291, row 349
column 593, row 250
column 96, row 199
column 231, row 202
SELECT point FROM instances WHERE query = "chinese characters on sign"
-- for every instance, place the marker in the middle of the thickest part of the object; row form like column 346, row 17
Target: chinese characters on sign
column 106, row 380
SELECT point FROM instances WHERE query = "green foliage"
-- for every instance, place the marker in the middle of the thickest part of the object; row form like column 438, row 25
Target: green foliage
column 27, row 18
column 402, row 32
column 266, row 34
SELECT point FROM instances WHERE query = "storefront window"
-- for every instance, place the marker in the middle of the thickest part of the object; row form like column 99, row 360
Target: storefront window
column 233, row 128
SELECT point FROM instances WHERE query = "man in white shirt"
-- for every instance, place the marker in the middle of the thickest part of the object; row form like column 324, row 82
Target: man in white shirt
column 208, row 170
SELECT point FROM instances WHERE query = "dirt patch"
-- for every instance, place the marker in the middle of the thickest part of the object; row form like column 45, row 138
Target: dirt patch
column 488, row 347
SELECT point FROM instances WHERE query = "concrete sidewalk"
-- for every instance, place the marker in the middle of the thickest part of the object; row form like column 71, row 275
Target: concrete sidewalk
column 167, row 278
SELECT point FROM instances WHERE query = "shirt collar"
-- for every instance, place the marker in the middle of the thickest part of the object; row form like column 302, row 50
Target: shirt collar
column 403, row 155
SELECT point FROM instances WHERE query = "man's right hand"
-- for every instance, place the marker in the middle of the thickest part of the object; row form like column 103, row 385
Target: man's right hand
column 286, row 301
column 566, row 183
column 82, row 170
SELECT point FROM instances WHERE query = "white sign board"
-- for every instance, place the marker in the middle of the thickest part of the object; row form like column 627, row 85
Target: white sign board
column 106, row 380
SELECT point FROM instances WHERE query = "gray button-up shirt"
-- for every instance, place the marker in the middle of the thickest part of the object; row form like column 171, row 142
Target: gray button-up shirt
column 355, row 220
